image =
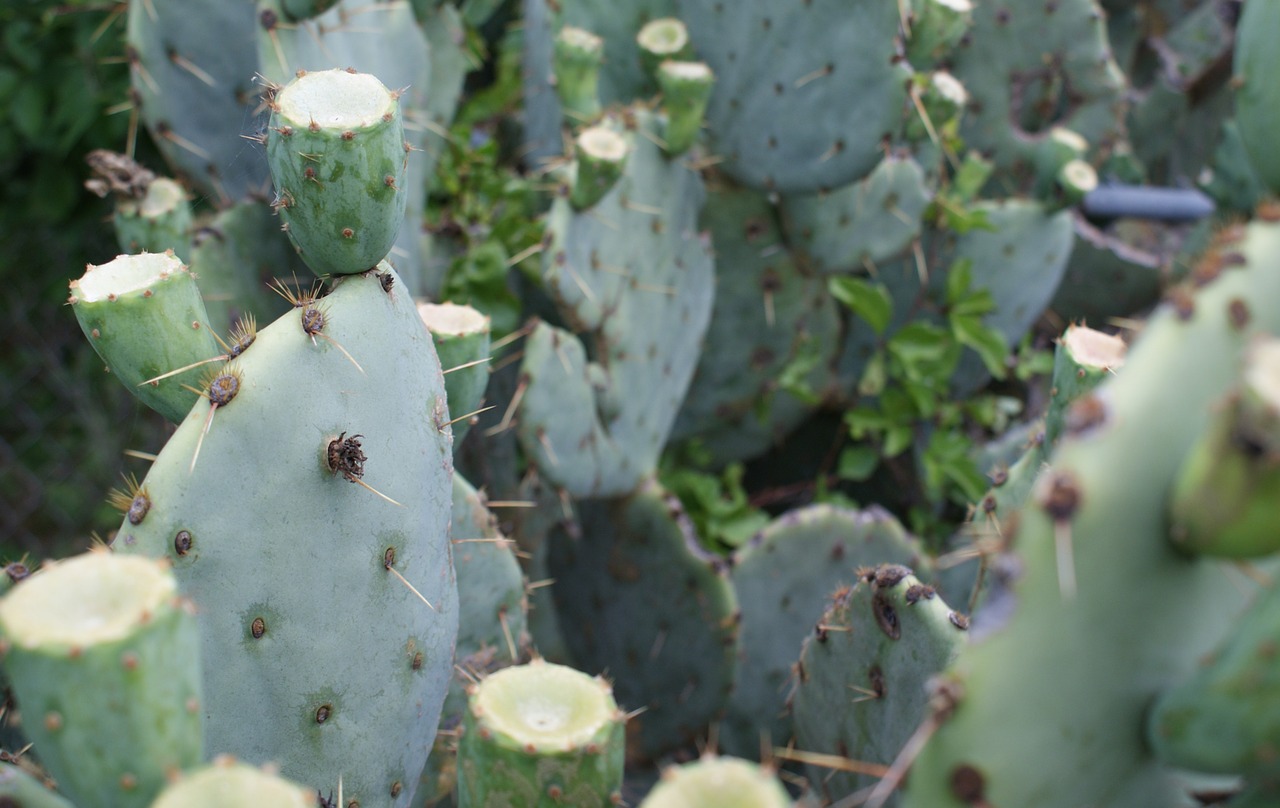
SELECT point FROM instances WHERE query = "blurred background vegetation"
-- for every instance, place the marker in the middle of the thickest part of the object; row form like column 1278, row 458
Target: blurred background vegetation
column 64, row 424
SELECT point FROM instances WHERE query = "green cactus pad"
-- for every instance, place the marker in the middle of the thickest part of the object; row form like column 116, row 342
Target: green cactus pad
column 1029, row 68
column 303, row 576
column 1143, row 613
column 768, row 313
column 541, row 735
column 650, row 608
column 144, row 316
column 228, row 784
column 419, row 61
column 575, row 60
column 192, row 66
column 804, row 97
column 1133, row 276
column 461, row 336
column 1224, row 501
column 718, row 782
column 1221, row 719
column 338, row 159
column 1257, row 63
column 104, row 660
column 859, row 225
column 686, row 88
column 159, row 221
column 783, row 580
column 634, row 277
column 599, row 159
column 24, row 790
column 864, row 673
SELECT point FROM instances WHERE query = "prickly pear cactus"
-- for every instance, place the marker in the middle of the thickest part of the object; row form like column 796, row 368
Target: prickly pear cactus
column 305, row 506
column 783, row 579
column 863, row 673
column 1029, row 68
column 339, row 161
column 861, row 224
column 101, row 646
column 768, row 312
column 1143, row 613
column 144, row 316
column 192, row 68
column 632, row 275
column 541, row 735
column 651, row 608
column 804, row 94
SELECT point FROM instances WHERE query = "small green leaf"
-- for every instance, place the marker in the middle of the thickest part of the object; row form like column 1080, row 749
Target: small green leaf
column 857, row 463
column 870, row 301
column 989, row 343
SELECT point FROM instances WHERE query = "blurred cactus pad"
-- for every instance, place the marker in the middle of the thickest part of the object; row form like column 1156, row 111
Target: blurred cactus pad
column 640, row 402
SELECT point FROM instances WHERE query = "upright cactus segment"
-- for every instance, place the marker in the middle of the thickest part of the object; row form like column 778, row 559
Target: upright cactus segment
column 718, row 782
column 1221, row 719
column 601, row 156
column 797, row 118
column 634, row 277
column 1037, row 66
column 102, row 647
column 228, row 784
column 311, row 528
column 686, row 89
column 152, row 214
column 1225, row 498
column 1144, row 613
column 144, row 316
column 576, row 58
column 541, row 735
column 864, row 671
column 783, row 579
column 461, row 336
column 339, row 160
column 768, row 313
column 651, row 609
column 421, row 60
column 859, row 225
column 192, row 69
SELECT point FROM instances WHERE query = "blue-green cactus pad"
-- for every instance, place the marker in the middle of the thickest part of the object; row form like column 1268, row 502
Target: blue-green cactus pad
column 1029, row 67
column 783, row 580
column 634, row 277
column 193, row 65
column 869, row 221
column 806, row 93
column 863, row 674
column 768, row 313
column 310, row 644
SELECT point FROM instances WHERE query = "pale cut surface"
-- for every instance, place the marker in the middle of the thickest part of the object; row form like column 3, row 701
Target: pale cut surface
column 547, row 706
column 1094, row 348
column 93, row 598
column 715, row 782
column 127, row 273
column 451, row 318
column 336, row 99
column 603, row 143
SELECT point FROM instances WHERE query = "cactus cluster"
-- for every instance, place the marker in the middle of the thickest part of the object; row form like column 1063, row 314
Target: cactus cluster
column 802, row 237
